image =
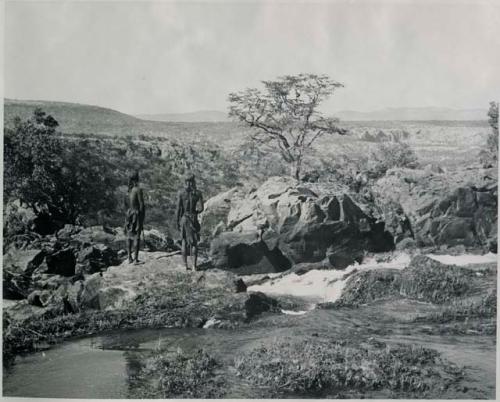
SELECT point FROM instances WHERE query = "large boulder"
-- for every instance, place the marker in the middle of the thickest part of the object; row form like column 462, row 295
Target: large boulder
column 62, row 262
column 284, row 223
column 98, row 294
column 80, row 238
column 23, row 262
column 213, row 220
column 246, row 253
column 15, row 286
column 157, row 241
column 39, row 298
column 453, row 208
column 96, row 258
column 243, row 307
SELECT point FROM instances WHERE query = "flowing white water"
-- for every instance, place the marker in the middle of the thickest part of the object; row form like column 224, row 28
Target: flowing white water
column 323, row 285
column 320, row 286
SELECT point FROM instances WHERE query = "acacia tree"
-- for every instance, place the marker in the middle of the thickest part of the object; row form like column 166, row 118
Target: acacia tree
column 285, row 115
column 489, row 155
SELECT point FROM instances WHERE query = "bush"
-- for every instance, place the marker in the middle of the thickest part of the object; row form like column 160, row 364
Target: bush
column 390, row 155
column 489, row 155
column 58, row 179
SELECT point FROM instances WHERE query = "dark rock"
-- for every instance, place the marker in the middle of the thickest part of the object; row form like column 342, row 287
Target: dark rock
column 441, row 209
column 39, row 298
column 466, row 202
column 154, row 240
column 341, row 256
column 242, row 307
column 333, row 208
column 246, row 253
column 453, row 231
column 45, row 224
column 95, row 258
column 240, row 285
column 492, row 246
column 283, row 223
column 15, row 287
column 62, row 262
column 258, row 303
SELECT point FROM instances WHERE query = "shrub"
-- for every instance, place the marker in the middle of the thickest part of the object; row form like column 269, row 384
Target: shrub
column 59, row 179
column 489, row 155
column 390, row 155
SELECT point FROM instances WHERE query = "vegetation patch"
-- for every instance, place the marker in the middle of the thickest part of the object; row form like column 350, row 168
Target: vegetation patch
column 425, row 280
column 179, row 375
column 477, row 317
column 366, row 286
column 429, row 280
column 326, row 367
column 459, row 310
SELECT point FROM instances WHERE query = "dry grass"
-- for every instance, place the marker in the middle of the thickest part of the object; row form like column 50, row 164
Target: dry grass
column 178, row 375
column 317, row 367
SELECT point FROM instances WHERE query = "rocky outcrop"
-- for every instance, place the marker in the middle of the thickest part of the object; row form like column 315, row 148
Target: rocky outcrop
column 213, row 220
column 22, row 261
column 96, row 258
column 284, row 223
column 62, row 262
column 154, row 240
column 442, row 209
column 79, row 237
column 246, row 253
column 44, row 262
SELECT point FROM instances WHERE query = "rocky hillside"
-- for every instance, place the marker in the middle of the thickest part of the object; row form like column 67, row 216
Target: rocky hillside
column 283, row 223
column 443, row 209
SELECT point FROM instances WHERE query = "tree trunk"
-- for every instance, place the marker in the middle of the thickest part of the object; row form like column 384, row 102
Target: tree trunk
column 296, row 169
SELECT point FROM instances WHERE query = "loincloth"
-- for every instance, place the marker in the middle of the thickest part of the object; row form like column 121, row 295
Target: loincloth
column 133, row 224
column 190, row 229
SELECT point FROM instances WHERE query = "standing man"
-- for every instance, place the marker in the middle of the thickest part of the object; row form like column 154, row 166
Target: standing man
column 135, row 217
column 189, row 205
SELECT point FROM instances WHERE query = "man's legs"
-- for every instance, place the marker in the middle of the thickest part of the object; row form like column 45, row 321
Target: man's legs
column 129, row 249
column 184, row 253
column 137, row 246
column 194, row 253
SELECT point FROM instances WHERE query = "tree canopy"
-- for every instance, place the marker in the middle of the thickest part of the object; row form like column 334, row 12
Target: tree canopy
column 56, row 178
column 489, row 155
column 285, row 114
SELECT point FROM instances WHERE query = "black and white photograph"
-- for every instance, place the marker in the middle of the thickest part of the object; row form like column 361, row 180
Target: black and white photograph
column 250, row 199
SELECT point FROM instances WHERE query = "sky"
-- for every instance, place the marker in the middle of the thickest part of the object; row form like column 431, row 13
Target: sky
column 143, row 57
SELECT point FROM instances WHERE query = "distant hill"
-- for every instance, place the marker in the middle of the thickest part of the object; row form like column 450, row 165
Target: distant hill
column 199, row 116
column 72, row 117
column 387, row 114
column 413, row 114
column 77, row 118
